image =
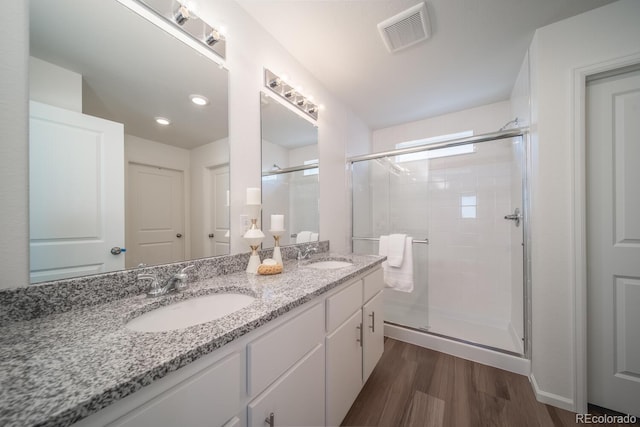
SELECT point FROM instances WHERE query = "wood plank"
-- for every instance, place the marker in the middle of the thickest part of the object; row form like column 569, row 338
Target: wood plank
column 413, row 387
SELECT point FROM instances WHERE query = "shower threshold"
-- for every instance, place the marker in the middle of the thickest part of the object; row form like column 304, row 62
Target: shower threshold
column 427, row 330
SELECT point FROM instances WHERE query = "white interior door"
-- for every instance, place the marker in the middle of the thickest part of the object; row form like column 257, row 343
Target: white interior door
column 613, row 242
column 218, row 236
column 155, row 215
column 76, row 193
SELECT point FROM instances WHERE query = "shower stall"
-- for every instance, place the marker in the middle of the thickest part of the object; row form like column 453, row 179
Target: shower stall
column 464, row 203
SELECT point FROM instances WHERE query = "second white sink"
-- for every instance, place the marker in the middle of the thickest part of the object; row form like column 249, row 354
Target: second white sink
column 189, row 313
column 329, row 264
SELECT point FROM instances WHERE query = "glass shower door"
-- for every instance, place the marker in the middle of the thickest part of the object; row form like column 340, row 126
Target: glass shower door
column 390, row 197
column 468, row 279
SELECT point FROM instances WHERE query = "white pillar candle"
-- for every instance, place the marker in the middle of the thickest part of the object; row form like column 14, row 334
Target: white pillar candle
column 253, row 196
column 277, row 222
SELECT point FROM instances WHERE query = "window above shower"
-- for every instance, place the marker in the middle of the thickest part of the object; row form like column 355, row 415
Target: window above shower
column 432, row 154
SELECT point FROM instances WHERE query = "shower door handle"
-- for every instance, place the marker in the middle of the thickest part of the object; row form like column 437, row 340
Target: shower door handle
column 515, row 216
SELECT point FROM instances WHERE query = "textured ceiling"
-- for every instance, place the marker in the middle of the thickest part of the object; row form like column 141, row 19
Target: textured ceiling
column 472, row 58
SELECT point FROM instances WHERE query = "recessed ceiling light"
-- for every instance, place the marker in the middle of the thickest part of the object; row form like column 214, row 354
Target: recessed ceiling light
column 199, row 100
column 162, row 121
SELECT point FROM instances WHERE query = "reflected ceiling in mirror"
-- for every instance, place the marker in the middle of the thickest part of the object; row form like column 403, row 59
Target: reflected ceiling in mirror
column 98, row 59
column 290, row 172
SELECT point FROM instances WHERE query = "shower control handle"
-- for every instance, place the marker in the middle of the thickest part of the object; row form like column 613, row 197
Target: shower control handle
column 373, row 321
column 515, row 216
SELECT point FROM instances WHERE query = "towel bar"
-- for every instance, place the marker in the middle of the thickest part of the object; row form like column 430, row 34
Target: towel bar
column 376, row 239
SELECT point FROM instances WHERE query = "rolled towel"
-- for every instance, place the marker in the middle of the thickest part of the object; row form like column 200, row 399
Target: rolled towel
column 303, row 237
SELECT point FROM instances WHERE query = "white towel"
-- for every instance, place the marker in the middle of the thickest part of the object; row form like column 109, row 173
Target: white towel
column 303, row 237
column 314, row 237
column 398, row 278
column 395, row 249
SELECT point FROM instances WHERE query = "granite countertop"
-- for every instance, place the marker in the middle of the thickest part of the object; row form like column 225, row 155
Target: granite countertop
column 57, row 369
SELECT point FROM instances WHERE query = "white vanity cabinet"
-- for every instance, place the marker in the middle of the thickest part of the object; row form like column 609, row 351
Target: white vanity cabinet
column 202, row 396
column 285, row 373
column 296, row 398
column 354, row 343
column 304, row 368
column 373, row 331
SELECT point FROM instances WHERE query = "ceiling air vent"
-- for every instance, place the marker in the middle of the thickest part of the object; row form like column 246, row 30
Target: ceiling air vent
column 406, row 28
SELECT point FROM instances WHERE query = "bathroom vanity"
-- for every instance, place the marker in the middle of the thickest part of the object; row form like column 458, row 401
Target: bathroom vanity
column 297, row 355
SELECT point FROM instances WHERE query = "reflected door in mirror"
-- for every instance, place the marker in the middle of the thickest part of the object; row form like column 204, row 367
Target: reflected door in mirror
column 76, row 193
column 219, row 211
column 156, row 215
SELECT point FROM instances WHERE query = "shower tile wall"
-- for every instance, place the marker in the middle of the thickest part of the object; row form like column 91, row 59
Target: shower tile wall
column 469, row 271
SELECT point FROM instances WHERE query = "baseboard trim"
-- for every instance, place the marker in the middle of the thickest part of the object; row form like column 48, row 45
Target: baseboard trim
column 550, row 398
column 484, row 356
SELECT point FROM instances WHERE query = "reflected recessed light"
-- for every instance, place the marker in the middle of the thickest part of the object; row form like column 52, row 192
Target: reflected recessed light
column 199, row 100
column 162, row 121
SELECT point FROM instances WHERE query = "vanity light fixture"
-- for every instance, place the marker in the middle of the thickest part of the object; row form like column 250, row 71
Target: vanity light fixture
column 162, row 121
column 286, row 91
column 199, row 100
column 213, row 37
column 181, row 15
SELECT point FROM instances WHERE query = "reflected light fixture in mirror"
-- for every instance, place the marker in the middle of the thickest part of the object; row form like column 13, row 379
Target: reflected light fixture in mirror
column 188, row 158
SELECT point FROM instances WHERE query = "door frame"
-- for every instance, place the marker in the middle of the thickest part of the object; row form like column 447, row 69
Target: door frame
column 579, row 214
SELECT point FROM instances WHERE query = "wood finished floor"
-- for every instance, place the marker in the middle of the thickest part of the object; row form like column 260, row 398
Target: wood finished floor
column 413, row 386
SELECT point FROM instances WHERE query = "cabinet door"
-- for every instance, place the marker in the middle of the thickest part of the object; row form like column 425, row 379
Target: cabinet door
column 344, row 368
column 373, row 328
column 198, row 401
column 296, row 398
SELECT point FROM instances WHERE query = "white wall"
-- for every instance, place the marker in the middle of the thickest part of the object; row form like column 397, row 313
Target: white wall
column 485, row 119
column 557, row 50
column 54, row 85
column 14, row 152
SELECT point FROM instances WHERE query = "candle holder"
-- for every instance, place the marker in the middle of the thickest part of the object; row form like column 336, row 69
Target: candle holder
column 277, row 256
column 254, row 237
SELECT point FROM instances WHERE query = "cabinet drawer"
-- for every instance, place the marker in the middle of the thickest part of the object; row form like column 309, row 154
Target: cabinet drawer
column 199, row 400
column 271, row 355
column 343, row 304
column 373, row 283
column 295, row 399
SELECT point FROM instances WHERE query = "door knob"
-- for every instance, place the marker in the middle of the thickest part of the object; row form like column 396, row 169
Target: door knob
column 178, row 235
column 211, row 236
column 117, row 251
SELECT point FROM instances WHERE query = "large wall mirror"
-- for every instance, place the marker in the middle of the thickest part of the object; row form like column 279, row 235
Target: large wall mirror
column 290, row 173
column 111, row 187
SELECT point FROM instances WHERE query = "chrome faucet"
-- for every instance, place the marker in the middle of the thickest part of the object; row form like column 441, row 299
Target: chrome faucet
column 307, row 252
column 176, row 282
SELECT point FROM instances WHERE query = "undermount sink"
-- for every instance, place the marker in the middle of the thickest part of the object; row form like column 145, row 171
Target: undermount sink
column 329, row 264
column 189, row 313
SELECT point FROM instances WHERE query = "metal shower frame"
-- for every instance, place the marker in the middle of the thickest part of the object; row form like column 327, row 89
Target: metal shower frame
column 522, row 133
